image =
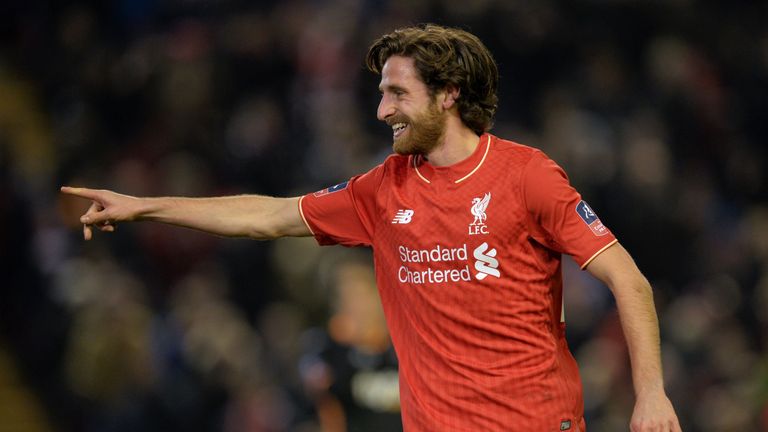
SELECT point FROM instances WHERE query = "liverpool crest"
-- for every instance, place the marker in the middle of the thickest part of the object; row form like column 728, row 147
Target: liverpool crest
column 479, row 205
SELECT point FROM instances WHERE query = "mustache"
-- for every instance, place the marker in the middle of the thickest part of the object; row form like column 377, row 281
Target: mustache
column 397, row 119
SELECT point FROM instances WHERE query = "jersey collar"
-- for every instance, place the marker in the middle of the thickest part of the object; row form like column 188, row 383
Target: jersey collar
column 457, row 172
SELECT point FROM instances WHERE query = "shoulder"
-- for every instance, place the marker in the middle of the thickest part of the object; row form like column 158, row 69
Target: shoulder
column 515, row 152
column 391, row 164
column 386, row 172
column 395, row 168
column 518, row 160
column 396, row 162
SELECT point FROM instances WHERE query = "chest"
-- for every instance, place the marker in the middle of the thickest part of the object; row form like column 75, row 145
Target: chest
column 481, row 211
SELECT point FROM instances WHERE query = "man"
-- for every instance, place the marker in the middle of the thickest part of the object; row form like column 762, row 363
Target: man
column 467, row 231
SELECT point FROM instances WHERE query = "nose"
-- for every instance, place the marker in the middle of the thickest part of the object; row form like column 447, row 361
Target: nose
column 386, row 108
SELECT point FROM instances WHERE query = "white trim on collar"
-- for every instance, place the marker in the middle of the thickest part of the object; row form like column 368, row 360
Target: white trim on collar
column 417, row 169
column 487, row 148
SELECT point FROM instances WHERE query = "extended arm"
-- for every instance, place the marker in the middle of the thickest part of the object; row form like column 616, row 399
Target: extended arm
column 634, row 299
column 254, row 216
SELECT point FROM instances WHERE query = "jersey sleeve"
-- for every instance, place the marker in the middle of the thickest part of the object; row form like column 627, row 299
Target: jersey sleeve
column 558, row 217
column 344, row 214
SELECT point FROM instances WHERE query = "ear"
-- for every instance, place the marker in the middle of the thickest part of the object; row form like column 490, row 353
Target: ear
column 451, row 94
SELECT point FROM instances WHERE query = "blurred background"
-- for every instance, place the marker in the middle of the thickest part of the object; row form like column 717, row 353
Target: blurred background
column 657, row 110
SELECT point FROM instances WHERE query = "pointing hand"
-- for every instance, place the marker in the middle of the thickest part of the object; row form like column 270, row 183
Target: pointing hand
column 107, row 208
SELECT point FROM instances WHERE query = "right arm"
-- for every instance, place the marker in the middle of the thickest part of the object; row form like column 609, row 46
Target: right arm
column 254, row 216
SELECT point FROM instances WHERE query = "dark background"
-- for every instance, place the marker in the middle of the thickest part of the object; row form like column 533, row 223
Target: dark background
column 658, row 110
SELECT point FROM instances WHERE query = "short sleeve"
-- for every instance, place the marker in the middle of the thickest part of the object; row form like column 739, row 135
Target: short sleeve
column 344, row 214
column 558, row 217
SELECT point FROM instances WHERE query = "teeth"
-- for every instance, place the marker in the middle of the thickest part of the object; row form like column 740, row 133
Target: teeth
column 398, row 126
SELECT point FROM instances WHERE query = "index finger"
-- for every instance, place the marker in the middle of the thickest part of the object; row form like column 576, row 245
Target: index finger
column 81, row 192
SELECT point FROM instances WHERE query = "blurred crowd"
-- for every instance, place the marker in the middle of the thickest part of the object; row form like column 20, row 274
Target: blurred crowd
column 657, row 110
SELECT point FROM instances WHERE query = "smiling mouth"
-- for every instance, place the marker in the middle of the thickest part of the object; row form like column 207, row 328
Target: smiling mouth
column 398, row 129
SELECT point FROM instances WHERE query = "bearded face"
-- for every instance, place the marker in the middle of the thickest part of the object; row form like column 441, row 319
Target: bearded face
column 418, row 134
column 410, row 108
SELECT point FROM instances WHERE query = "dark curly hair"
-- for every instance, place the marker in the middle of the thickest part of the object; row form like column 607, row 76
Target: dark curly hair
column 446, row 56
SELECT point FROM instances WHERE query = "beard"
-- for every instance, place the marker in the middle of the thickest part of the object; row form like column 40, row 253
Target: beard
column 424, row 132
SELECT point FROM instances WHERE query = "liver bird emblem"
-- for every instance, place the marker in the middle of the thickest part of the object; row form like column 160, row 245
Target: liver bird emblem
column 478, row 209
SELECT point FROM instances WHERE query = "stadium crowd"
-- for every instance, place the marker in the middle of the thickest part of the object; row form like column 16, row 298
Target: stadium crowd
column 657, row 110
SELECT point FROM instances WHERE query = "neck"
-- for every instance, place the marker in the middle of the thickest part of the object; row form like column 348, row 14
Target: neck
column 459, row 142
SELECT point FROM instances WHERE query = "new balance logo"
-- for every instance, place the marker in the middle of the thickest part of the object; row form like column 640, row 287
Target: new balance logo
column 403, row 216
column 486, row 264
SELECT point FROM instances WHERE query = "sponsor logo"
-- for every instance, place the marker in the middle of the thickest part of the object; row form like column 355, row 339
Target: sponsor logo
column 565, row 425
column 590, row 218
column 478, row 211
column 437, row 254
column 486, row 264
column 332, row 189
column 403, row 216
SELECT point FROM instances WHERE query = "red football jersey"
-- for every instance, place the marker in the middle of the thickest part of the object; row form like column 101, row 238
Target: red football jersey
column 468, row 264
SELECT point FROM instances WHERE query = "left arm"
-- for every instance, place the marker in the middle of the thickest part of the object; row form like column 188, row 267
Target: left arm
column 634, row 299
